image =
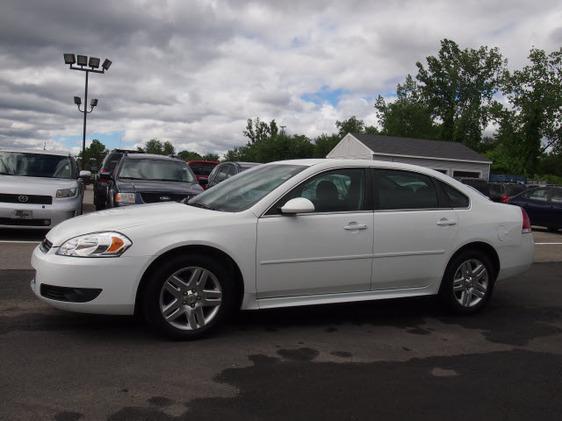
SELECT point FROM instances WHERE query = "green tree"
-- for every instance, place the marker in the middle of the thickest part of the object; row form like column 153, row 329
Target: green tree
column 188, row 155
column 93, row 155
column 158, row 147
column 459, row 87
column 535, row 118
column 210, row 156
column 257, row 130
column 408, row 115
column 324, row 144
column 354, row 125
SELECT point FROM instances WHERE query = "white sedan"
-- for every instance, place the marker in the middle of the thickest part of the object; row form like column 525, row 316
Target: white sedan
column 287, row 233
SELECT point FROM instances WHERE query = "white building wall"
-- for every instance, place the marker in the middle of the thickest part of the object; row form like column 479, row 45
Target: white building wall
column 350, row 148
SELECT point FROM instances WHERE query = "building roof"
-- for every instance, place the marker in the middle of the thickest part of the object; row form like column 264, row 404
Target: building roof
column 407, row 146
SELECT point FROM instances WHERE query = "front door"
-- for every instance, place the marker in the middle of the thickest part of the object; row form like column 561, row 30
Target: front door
column 327, row 251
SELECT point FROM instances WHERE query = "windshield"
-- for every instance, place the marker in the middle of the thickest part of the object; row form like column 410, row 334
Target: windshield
column 202, row 169
column 246, row 189
column 156, row 169
column 36, row 165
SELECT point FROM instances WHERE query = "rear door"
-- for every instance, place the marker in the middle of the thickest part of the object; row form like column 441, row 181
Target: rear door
column 537, row 206
column 414, row 230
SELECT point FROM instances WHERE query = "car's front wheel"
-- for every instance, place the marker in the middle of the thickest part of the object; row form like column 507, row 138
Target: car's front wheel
column 187, row 296
column 468, row 282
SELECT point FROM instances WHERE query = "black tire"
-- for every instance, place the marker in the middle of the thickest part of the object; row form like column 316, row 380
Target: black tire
column 450, row 298
column 552, row 229
column 151, row 298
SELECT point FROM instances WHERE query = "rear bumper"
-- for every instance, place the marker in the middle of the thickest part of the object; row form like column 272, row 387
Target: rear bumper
column 516, row 259
column 42, row 216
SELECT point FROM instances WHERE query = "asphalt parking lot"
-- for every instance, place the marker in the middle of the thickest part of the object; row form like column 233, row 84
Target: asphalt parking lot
column 400, row 359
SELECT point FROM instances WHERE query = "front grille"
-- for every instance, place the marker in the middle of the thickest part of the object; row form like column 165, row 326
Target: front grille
column 25, row 222
column 26, row 198
column 71, row 295
column 163, row 197
column 45, row 246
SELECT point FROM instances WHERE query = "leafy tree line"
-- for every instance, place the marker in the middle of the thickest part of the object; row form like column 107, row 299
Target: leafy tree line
column 96, row 151
column 454, row 96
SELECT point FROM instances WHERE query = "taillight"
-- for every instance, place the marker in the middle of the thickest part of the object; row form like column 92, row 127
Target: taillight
column 526, row 226
column 504, row 198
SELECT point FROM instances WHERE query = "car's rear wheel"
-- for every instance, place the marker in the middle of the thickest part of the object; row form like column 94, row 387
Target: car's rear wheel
column 552, row 229
column 188, row 296
column 468, row 282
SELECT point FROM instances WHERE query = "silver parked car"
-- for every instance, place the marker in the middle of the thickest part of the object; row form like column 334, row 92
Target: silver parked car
column 39, row 189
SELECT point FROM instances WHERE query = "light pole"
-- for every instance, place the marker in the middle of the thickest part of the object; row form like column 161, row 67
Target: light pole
column 79, row 62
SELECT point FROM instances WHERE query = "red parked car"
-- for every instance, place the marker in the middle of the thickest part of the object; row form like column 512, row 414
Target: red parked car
column 202, row 169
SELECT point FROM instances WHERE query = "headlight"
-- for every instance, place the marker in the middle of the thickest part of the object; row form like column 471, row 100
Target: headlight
column 98, row 244
column 125, row 198
column 61, row 193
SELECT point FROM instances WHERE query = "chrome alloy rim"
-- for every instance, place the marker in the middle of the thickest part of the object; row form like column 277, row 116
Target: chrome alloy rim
column 190, row 298
column 470, row 283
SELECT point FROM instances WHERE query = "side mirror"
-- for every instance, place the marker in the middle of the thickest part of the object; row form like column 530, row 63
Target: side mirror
column 297, row 205
column 85, row 174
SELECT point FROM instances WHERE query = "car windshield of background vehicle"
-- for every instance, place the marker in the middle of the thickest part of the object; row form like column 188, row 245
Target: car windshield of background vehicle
column 36, row 165
column 155, row 170
column 246, row 189
column 202, row 169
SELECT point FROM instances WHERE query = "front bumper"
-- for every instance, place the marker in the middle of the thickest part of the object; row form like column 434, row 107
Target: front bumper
column 117, row 278
column 42, row 216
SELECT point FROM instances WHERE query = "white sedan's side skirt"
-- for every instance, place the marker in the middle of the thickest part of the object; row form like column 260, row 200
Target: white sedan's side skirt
column 307, row 300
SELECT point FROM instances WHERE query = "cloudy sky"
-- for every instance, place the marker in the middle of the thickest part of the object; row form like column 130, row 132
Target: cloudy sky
column 192, row 71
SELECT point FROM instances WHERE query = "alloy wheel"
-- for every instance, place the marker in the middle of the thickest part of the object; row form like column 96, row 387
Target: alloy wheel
column 470, row 283
column 190, row 298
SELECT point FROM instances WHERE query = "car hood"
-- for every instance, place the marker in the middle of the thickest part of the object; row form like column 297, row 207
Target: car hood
column 15, row 184
column 158, row 186
column 117, row 219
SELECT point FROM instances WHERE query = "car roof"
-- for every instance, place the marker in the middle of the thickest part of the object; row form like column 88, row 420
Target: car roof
column 151, row 156
column 35, row 151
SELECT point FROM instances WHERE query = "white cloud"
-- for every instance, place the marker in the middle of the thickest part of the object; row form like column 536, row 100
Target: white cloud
column 193, row 72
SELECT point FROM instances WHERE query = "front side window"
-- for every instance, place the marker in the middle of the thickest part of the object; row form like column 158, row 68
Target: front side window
column 539, row 195
column 156, row 170
column 340, row 190
column 396, row 189
column 36, row 165
column 246, row 189
column 556, row 196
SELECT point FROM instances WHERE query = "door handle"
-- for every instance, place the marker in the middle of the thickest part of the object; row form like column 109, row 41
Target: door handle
column 444, row 222
column 354, row 226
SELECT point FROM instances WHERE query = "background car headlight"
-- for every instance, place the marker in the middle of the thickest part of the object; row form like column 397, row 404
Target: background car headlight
column 125, row 198
column 66, row 192
column 98, row 244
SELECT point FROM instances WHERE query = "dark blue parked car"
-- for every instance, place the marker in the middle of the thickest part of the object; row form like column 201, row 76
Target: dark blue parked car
column 145, row 178
column 543, row 204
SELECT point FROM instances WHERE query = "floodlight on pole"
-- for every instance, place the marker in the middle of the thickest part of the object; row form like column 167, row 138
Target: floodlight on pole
column 91, row 65
column 94, row 62
column 69, row 59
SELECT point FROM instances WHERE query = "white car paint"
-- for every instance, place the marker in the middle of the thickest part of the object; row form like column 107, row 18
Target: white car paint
column 291, row 260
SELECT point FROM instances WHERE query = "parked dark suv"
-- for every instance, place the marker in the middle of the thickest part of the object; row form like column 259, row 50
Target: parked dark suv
column 146, row 178
column 226, row 170
column 108, row 165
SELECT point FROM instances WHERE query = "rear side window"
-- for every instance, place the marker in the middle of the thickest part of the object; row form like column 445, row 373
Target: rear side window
column 395, row 189
column 455, row 198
